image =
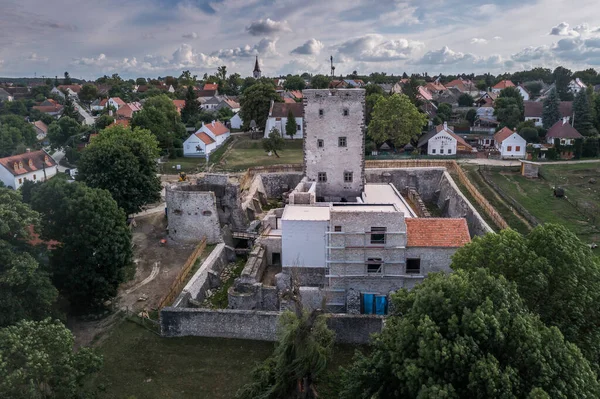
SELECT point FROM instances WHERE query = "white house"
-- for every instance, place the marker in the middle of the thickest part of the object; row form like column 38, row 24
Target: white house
column 115, row 102
column 211, row 104
column 57, row 92
column 278, row 114
column 35, row 166
column 510, row 144
column 442, row 141
column 236, row 122
column 199, row 144
column 576, row 85
column 524, row 93
column 503, row 84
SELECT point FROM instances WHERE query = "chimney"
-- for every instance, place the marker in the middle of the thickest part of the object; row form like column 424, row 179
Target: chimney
column 213, row 123
column 27, row 149
column 565, row 119
column 445, row 125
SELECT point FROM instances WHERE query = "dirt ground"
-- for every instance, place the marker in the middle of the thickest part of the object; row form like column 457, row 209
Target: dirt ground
column 157, row 265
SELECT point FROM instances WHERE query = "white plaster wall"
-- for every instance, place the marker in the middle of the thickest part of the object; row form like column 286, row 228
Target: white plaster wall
column 7, row 178
column 280, row 125
column 303, row 243
column 189, row 146
column 538, row 121
column 236, row 121
column 13, row 181
column 513, row 142
column 441, row 141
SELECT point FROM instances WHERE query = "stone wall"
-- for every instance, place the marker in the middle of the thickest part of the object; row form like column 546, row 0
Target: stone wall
column 275, row 184
column 258, row 325
column 192, row 214
column 228, row 199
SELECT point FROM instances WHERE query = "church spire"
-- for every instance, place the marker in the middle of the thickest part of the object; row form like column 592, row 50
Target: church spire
column 256, row 72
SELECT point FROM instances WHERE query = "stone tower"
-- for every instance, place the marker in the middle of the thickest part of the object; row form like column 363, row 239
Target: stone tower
column 256, row 72
column 334, row 142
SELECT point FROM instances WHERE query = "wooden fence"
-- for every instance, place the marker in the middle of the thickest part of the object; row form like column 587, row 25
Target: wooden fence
column 179, row 282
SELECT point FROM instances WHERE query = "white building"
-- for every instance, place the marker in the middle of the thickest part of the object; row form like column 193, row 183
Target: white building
column 510, row 144
column 236, row 122
column 576, row 85
column 441, row 141
column 206, row 139
column 278, row 115
column 524, row 93
column 503, row 84
column 35, row 166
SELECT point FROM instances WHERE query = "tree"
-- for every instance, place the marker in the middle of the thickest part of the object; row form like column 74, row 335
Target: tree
column 530, row 134
column 141, row 81
column 191, row 107
column 15, row 132
column 551, row 113
column 507, row 111
column 534, row 88
column 562, row 78
column 38, row 361
column 374, row 89
column 319, row 82
column 582, row 119
column 395, row 118
column 26, row 291
column 274, row 142
column 187, row 79
column 255, row 104
column 556, row 275
column 67, row 79
column 294, row 83
column 444, row 112
column 290, row 125
column 93, row 255
column 123, row 161
column 103, row 121
column 160, row 116
column 370, row 101
column 465, row 100
column 471, row 116
column 224, row 114
column 467, row 335
column 88, row 93
column 69, row 110
column 513, row 92
column 596, row 103
column 63, row 132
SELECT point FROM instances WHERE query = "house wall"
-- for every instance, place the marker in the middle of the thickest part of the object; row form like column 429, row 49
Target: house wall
column 189, row 146
column 303, row 243
column 538, row 121
column 15, row 182
column 236, row 121
column 524, row 93
column 280, row 123
column 329, row 127
column 441, row 144
column 517, row 144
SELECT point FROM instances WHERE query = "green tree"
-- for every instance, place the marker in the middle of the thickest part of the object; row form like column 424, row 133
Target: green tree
column 123, row 161
column 374, row 89
column 69, row 110
column 93, row 255
column 444, row 112
column 103, row 121
column 395, row 118
column 304, row 347
column 255, row 104
column 186, row 79
column 471, row 116
column 370, row 101
column 582, row 118
column 562, row 78
column 556, row 275
column 26, row 291
column 224, row 114
column 142, row 81
column 160, row 116
column 37, row 360
column 88, row 93
column 507, row 112
column 290, row 125
column 551, row 113
column 294, row 83
column 596, row 106
column 513, row 92
column 534, row 88
column 465, row 100
column 319, row 82
column 530, row 134
column 468, row 335
column 67, row 79
column 274, row 142
column 63, row 132
column 191, row 107
column 15, row 132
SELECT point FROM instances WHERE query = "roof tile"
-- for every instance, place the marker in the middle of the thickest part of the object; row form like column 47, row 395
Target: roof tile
column 437, row 232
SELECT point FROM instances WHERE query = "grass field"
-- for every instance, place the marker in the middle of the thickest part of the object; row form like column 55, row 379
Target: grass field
column 188, row 165
column 580, row 213
column 247, row 153
column 141, row 365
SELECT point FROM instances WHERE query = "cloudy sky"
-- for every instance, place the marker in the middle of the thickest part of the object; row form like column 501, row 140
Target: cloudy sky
column 162, row 37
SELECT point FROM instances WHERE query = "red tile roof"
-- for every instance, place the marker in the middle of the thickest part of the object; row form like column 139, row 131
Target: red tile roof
column 435, row 86
column 535, row 109
column 122, row 122
column 503, row 134
column 217, row 128
column 211, row 86
column 206, row 139
column 289, row 100
column 437, row 232
column 232, row 104
column 75, row 88
column 126, row 111
column 563, row 130
column 179, row 104
column 42, row 126
column 27, row 162
column 296, row 93
column 48, row 108
column 461, row 141
column 118, row 100
column 503, row 84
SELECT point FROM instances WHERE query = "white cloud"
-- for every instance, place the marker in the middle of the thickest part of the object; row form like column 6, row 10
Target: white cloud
column 497, row 38
column 266, row 48
column 447, row 56
column 191, row 35
column 311, row 47
column 563, row 29
column 296, row 67
column 531, row 53
column 267, row 27
column 375, row 48
column 34, row 57
column 486, row 10
column 477, row 40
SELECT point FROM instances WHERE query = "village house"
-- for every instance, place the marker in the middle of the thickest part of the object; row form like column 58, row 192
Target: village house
column 5, row 96
column 126, row 111
column 278, row 114
column 50, row 107
column 510, row 144
column 35, row 166
column 209, row 137
column 211, row 104
column 229, row 103
column 576, row 85
column 41, row 131
column 503, row 84
column 534, row 111
column 524, row 93
column 563, row 131
column 442, row 141
column 463, row 86
column 179, row 104
column 236, row 121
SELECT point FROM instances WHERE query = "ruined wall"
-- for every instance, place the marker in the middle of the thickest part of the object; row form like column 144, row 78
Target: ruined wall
column 192, row 214
column 329, row 115
column 228, row 199
column 424, row 180
column 275, row 184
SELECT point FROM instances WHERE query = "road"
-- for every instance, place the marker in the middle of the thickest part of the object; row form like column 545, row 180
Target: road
column 58, row 156
column 87, row 118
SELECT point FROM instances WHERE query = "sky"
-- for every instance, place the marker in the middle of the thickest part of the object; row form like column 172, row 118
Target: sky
column 149, row 38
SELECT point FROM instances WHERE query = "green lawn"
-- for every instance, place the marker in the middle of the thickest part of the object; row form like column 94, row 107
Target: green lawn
column 188, row 165
column 139, row 364
column 247, row 153
column 536, row 195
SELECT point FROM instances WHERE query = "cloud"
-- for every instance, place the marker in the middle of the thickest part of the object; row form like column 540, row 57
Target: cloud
column 497, row 37
column 266, row 48
column 59, row 26
column 296, row 67
column 563, row 29
column 477, row 40
column 532, row 53
column 486, row 10
column 267, row 27
column 33, row 57
column 311, row 47
column 191, row 35
column 445, row 56
column 375, row 48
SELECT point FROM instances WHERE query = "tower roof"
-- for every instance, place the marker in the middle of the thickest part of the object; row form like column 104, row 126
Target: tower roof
column 256, row 67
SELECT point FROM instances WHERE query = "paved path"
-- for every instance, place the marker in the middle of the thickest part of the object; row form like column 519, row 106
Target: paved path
column 507, row 162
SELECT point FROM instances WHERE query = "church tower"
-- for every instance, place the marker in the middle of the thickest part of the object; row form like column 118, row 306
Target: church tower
column 256, row 72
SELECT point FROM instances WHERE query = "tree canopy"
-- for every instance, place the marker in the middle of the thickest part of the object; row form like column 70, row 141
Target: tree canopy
column 468, row 335
column 395, row 118
column 191, row 107
column 63, row 132
column 294, row 83
column 123, row 161
column 444, row 112
column 583, row 114
column 319, row 82
column 562, row 78
column 465, row 100
column 88, row 93
column 274, row 142
column 160, row 116
column 551, row 112
column 507, row 111
column 290, row 125
column 15, row 133
column 256, row 102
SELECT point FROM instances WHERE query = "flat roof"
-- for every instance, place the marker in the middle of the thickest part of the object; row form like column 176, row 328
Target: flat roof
column 295, row 212
column 386, row 194
column 364, row 208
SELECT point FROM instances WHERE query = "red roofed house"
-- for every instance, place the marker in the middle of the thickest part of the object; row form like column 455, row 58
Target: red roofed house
column 115, row 102
column 41, row 130
column 510, row 144
column 567, row 134
column 278, row 118
column 534, row 111
column 211, row 86
column 50, row 107
column 126, row 111
column 443, row 141
column 120, row 122
column 206, row 139
column 34, row 166
column 503, row 84
column 179, row 104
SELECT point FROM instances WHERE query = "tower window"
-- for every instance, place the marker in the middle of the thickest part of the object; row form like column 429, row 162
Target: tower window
column 322, row 177
column 321, row 112
column 413, row 266
column 320, row 143
column 374, row 265
column 348, row 177
column 346, row 112
column 378, row 235
column 341, row 142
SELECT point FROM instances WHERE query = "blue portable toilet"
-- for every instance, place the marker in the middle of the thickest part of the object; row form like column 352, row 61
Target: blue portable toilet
column 368, row 302
column 381, row 304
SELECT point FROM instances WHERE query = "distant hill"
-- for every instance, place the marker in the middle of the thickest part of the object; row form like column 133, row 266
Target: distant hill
column 26, row 81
